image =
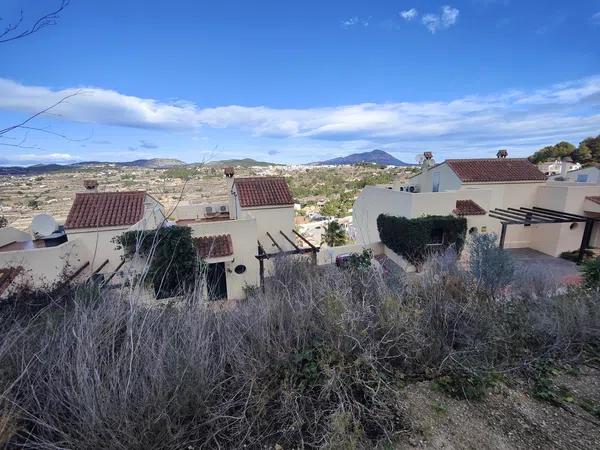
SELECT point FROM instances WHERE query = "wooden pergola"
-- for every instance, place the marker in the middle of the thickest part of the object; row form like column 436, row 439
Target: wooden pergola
column 537, row 216
column 262, row 254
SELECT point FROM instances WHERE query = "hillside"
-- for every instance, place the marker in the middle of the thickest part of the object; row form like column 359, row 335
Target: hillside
column 373, row 157
column 244, row 162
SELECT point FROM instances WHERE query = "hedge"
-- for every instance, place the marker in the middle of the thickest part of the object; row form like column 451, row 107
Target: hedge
column 411, row 237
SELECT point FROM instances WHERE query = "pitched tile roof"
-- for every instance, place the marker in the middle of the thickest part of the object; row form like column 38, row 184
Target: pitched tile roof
column 594, row 198
column 468, row 208
column 214, row 246
column 7, row 276
column 495, row 170
column 263, row 191
column 106, row 209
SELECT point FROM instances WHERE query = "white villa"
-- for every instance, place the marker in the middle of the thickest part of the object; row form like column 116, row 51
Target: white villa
column 236, row 239
column 508, row 196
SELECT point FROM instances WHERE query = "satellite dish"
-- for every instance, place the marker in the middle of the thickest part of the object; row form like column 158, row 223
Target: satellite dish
column 43, row 225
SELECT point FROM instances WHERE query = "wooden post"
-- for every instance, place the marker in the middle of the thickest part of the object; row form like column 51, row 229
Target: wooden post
column 503, row 235
column 261, row 263
column 585, row 239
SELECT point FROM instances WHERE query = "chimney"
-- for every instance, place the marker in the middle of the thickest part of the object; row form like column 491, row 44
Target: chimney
column 229, row 173
column 90, row 185
column 564, row 166
column 428, row 161
column 502, row 153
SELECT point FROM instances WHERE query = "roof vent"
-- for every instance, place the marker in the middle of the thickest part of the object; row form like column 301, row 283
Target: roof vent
column 428, row 155
column 228, row 171
column 502, row 153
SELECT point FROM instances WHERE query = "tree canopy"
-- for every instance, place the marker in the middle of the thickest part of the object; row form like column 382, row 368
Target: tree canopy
column 587, row 152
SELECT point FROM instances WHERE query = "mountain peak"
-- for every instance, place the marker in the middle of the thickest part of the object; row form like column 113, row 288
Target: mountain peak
column 376, row 156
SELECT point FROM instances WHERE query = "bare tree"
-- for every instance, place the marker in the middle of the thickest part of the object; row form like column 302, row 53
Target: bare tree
column 16, row 30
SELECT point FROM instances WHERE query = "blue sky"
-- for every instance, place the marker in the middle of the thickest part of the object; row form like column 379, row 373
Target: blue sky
column 299, row 81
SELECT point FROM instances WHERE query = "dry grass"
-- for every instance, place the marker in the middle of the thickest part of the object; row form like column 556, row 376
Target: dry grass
column 319, row 360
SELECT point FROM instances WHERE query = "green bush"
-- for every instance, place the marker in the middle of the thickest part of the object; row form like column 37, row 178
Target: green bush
column 591, row 272
column 173, row 261
column 573, row 255
column 413, row 238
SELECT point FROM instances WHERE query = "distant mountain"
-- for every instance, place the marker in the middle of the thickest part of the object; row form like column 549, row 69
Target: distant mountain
column 245, row 162
column 154, row 163
column 372, row 157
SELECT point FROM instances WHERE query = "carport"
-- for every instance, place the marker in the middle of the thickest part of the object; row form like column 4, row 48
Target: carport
column 538, row 216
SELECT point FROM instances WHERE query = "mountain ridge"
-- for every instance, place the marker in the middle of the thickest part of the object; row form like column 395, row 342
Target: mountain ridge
column 376, row 156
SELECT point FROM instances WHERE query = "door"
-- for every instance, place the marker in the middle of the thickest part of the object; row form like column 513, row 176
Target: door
column 216, row 281
column 436, row 182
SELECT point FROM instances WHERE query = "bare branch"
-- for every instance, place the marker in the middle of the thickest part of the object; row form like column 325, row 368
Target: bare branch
column 30, row 118
column 44, row 21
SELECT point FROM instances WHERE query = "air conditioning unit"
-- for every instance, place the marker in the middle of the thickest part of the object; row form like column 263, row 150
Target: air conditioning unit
column 411, row 189
column 223, row 208
column 208, row 210
column 401, row 188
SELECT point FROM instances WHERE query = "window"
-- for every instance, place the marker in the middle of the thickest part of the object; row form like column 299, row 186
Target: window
column 582, row 178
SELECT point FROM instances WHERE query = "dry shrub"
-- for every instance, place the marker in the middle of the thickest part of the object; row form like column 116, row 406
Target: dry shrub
column 316, row 361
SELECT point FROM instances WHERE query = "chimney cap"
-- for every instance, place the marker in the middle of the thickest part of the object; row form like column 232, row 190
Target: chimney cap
column 428, row 155
column 502, row 153
column 90, row 184
column 228, row 171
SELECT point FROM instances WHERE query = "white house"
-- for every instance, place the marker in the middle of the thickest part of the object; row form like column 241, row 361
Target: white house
column 585, row 175
column 474, row 188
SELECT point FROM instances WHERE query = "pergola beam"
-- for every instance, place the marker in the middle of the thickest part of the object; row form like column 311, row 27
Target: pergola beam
column 305, row 240
column 547, row 216
column 522, row 219
column 274, row 242
column 574, row 216
column 290, row 241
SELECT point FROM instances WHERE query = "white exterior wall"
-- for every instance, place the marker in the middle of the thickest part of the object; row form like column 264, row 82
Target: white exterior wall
column 243, row 237
column 99, row 245
column 9, row 235
column 44, row 266
column 327, row 255
column 448, row 179
column 272, row 219
column 509, row 195
column 553, row 239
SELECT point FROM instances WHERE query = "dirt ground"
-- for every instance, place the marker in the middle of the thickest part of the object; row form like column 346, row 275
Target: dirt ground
column 509, row 418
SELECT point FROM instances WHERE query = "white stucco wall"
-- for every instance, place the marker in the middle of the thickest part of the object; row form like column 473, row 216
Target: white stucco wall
column 273, row 220
column 45, row 266
column 448, row 179
column 327, row 255
column 243, row 237
column 9, row 235
column 554, row 239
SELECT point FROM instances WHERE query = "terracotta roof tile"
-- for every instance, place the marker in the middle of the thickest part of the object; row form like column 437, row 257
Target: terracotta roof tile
column 214, row 246
column 495, row 170
column 106, row 209
column 594, row 198
column 468, row 208
column 7, row 276
column 263, row 191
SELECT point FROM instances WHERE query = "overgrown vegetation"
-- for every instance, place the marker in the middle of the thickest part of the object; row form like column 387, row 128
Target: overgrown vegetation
column 591, row 272
column 169, row 255
column 320, row 359
column 415, row 239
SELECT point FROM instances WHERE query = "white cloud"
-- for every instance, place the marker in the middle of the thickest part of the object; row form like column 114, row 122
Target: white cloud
column 596, row 18
column 46, row 157
column 355, row 21
column 442, row 21
column 561, row 110
column 409, row 14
